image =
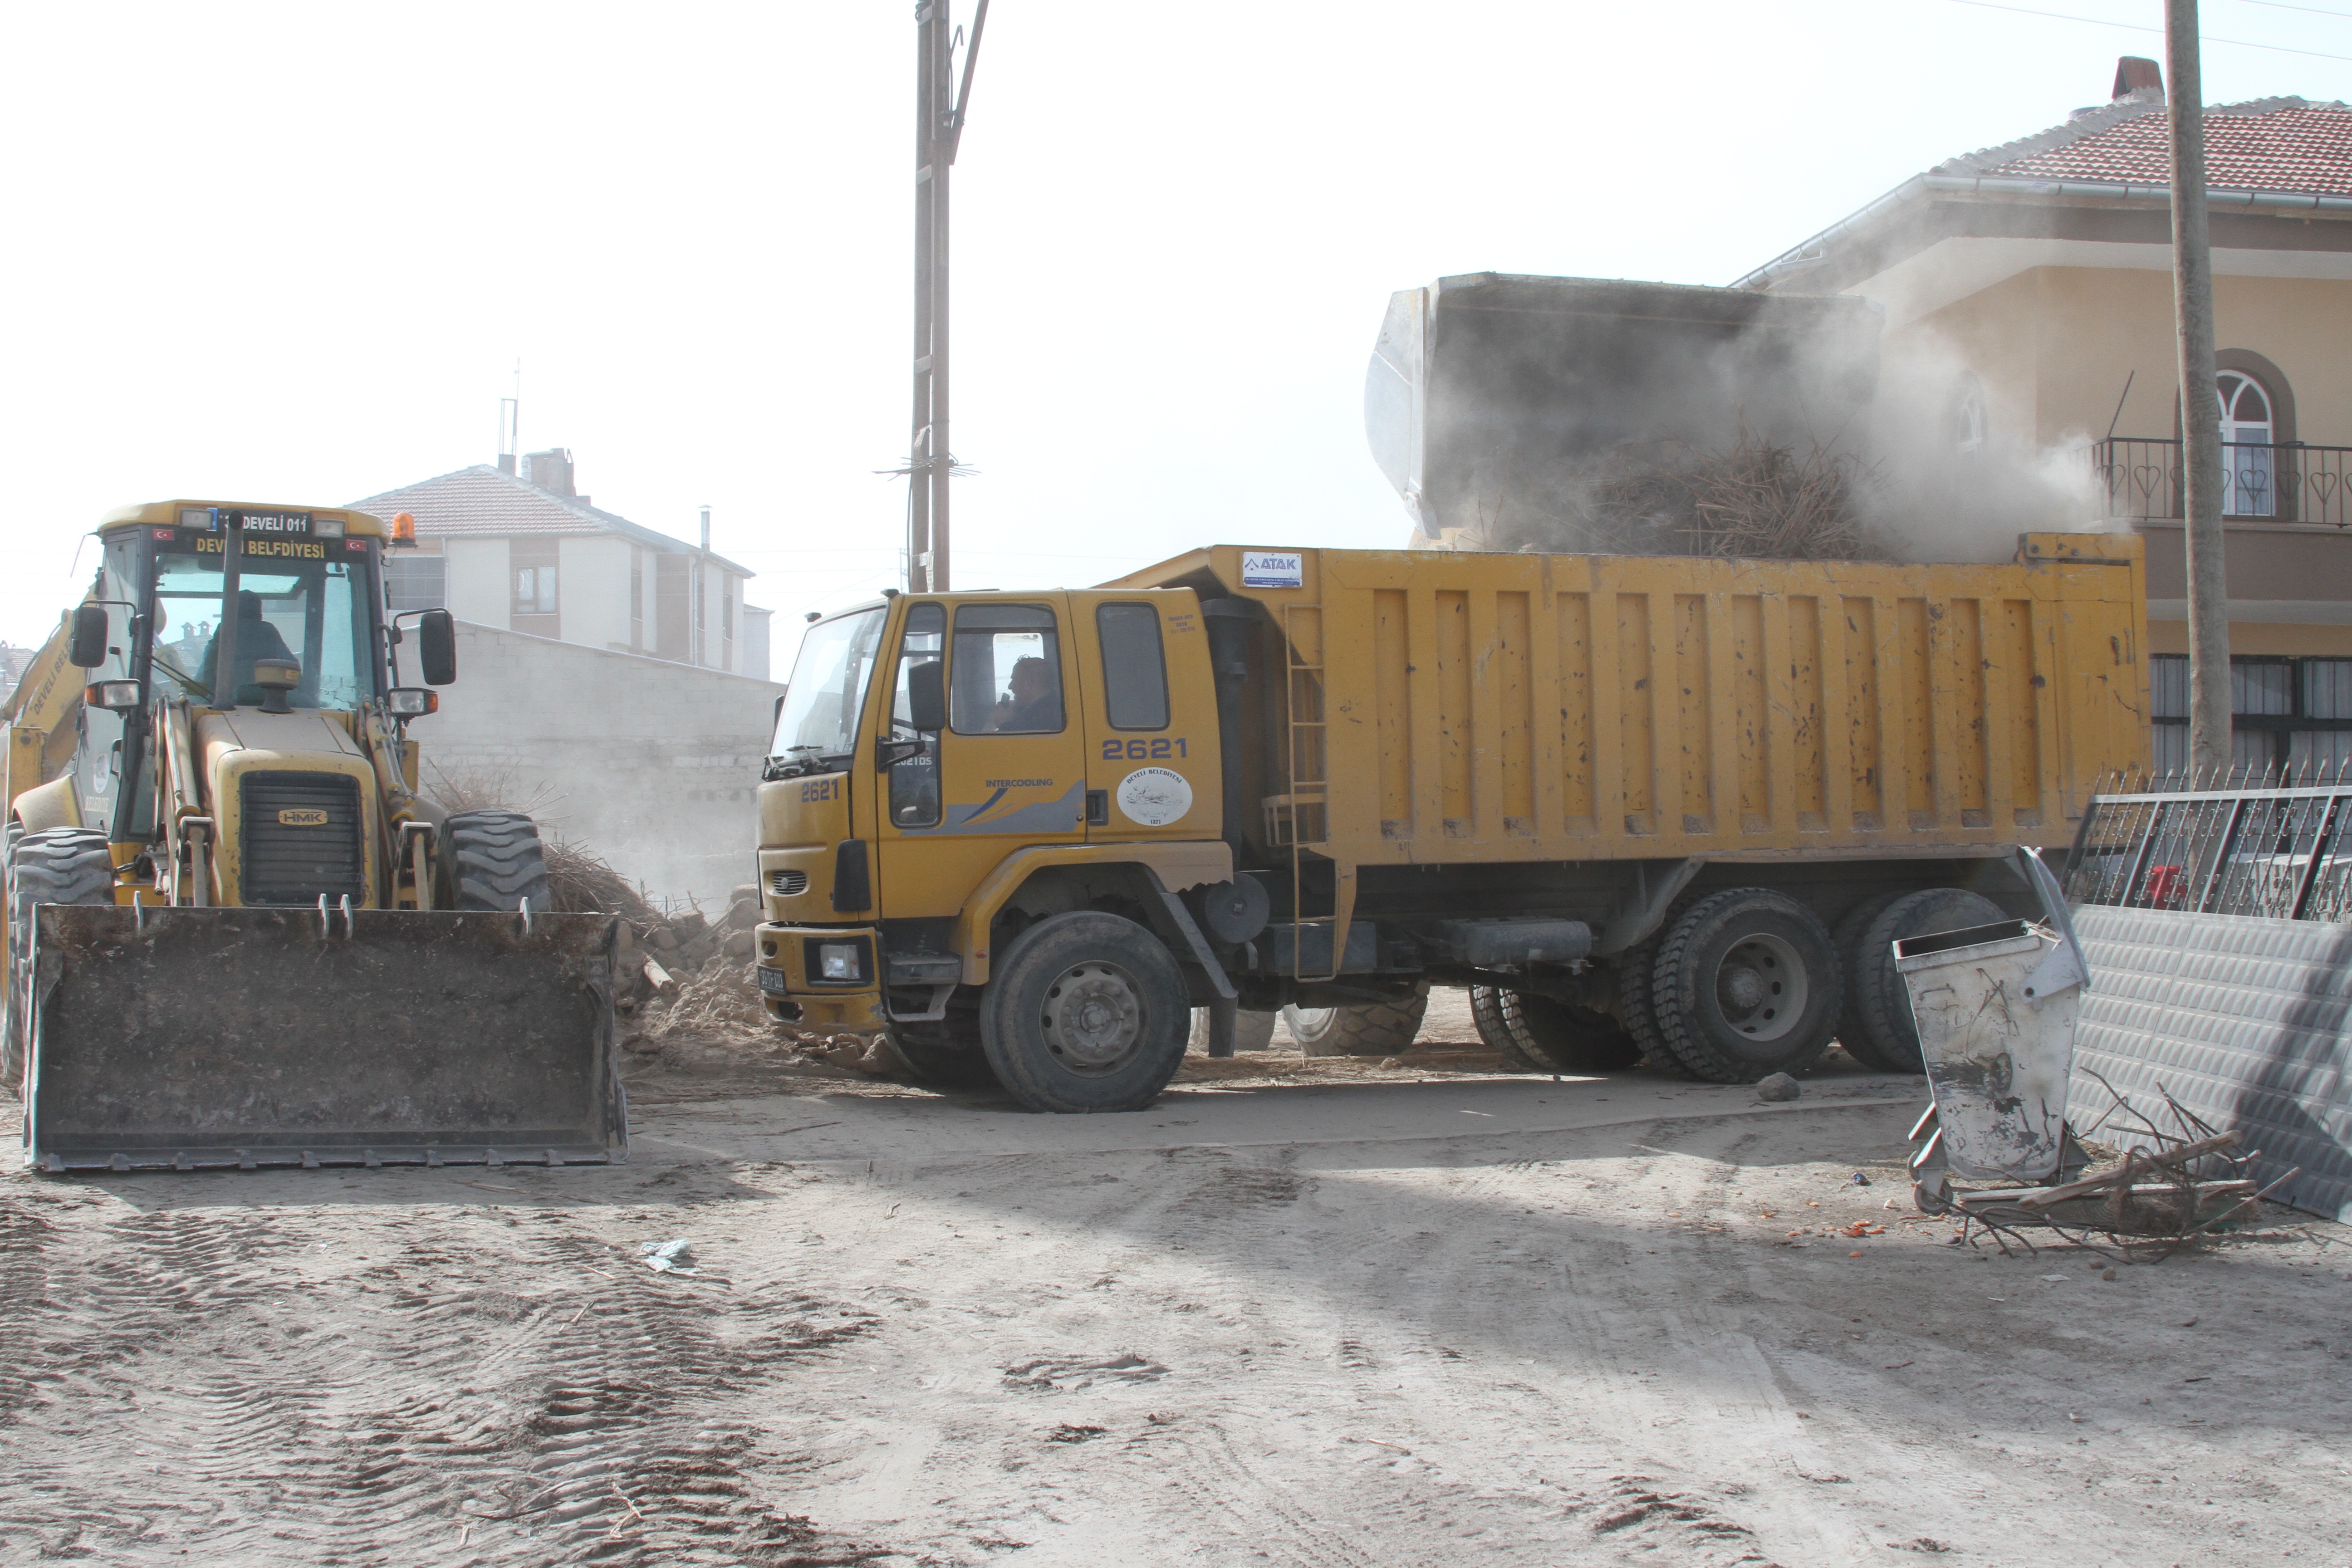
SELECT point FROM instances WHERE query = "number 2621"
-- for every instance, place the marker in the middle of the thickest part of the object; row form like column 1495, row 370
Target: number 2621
column 1141, row 751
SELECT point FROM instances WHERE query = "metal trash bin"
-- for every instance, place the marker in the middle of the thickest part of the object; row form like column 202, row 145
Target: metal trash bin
column 1995, row 1006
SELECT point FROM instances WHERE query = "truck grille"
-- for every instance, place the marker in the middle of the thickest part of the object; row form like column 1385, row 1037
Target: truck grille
column 789, row 884
column 302, row 839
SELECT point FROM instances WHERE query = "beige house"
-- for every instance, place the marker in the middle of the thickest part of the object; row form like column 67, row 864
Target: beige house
column 527, row 552
column 2028, row 299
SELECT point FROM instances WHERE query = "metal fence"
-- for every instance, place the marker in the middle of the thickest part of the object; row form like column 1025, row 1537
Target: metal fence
column 2280, row 483
column 2285, row 854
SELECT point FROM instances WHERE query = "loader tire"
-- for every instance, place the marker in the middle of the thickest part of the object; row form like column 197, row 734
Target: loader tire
column 54, row 866
column 1847, row 939
column 1884, row 1005
column 492, row 860
column 1563, row 1038
column 1087, row 1012
column 1748, row 985
column 1252, row 1031
column 1495, row 1031
column 1371, row 1029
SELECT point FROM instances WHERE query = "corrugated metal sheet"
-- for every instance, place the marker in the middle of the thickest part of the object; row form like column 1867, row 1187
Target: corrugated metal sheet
column 2246, row 1020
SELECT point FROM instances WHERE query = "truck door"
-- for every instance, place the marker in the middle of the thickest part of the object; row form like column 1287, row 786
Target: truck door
column 1151, row 716
column 1007, row 772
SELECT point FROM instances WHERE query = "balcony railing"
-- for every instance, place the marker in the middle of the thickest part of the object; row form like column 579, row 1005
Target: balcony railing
column 2259, row 481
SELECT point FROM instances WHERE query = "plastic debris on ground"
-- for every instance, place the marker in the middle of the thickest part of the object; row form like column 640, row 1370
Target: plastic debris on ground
column 670, row 1256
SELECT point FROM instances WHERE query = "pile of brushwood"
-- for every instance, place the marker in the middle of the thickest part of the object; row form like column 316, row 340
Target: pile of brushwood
column 684, row 980
column 1754, row 499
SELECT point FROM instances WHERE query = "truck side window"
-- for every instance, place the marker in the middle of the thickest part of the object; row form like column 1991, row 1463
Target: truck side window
column 1135, row 672
column 1007, row 672
column 915, row 781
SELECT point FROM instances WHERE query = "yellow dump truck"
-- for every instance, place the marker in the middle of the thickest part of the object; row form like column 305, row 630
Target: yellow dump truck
column 239, row 932
column 1661, row 807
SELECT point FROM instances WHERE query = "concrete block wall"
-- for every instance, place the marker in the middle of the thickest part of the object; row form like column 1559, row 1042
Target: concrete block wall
column 653, row 765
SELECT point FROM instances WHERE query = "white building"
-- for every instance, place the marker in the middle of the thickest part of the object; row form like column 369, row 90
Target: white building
column 527, row 553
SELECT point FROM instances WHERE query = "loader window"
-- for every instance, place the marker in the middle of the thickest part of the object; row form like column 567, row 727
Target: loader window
column 819, row 718
column 915, row 781
column 315, row 612
column 1007, row 672
column 1134, row 673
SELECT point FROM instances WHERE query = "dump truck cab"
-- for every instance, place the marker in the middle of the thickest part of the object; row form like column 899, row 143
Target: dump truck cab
column 950, row 770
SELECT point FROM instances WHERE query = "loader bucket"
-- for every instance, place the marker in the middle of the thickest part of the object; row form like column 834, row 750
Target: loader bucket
column 184, row 1037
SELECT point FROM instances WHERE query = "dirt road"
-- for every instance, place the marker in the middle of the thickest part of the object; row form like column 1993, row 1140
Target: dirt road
column 1421, row 1316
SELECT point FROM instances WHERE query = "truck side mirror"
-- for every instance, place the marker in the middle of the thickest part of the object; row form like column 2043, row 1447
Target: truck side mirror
column 927, row 695
column 88, row 646
column 437, row 646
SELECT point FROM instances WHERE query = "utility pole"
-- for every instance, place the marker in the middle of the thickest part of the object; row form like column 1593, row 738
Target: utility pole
column 700, row 598
column 939, row 126
column 2201, row 406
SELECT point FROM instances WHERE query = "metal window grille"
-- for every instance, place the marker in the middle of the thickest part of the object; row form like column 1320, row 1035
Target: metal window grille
column 2285, row 854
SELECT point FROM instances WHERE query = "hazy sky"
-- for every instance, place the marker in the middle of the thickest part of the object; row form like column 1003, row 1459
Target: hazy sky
column 292, row 253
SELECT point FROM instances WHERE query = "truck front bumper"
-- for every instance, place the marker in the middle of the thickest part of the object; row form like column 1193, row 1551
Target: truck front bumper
column 823, row 977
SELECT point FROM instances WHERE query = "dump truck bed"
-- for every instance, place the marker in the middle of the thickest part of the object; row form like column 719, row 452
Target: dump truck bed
column 1437, row 707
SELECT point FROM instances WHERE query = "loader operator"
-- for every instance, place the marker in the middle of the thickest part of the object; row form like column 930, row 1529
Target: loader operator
column 256, row 640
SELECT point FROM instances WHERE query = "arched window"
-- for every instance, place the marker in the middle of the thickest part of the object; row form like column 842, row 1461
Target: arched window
column 1968, row 416
column 2249, row 457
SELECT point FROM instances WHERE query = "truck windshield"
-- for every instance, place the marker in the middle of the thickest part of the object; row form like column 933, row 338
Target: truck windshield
column 311, row 613
column 819, row 718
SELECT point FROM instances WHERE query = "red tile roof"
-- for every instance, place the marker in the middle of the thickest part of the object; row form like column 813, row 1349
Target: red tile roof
column 2284, row 144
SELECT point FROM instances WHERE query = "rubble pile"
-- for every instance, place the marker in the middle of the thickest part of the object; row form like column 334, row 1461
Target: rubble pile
column 681, row 976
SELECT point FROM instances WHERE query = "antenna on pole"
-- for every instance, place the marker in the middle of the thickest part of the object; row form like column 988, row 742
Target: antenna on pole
column 511, row 425
column 940, row 103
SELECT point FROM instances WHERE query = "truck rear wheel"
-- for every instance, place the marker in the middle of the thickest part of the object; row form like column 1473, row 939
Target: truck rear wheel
column 1847, row 939
column 1371, row 1029
column 55, row 866
column 1637, row 969
column 1884, row 1007
column 1748, row 985
column 1563, row 1038
column 1087, row 1012
column 1487, row 1013
column 492, row 860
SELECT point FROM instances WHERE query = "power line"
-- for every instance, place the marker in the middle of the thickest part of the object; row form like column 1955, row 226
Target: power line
column 2138, row 27
column 2282, row 5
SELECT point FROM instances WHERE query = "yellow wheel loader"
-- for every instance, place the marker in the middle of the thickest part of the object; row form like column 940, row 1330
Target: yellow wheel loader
column 237, row 934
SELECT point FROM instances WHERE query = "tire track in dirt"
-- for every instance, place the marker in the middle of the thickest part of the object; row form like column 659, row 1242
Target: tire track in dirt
column 192, row 1395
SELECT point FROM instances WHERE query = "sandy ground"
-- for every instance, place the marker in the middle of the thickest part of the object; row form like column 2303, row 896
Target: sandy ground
column 1299, row 1313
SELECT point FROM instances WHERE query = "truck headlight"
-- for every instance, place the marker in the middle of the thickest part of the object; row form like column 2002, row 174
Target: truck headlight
column 411, row 701
column 837, row 960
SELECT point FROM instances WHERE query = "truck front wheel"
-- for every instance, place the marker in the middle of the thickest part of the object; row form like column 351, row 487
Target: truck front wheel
column 1087, row 1012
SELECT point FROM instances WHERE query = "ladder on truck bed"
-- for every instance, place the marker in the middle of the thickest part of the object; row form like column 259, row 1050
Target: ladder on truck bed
column 1301, row 819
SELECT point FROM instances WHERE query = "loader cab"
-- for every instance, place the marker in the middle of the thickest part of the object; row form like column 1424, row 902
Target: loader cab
column 304, row 596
